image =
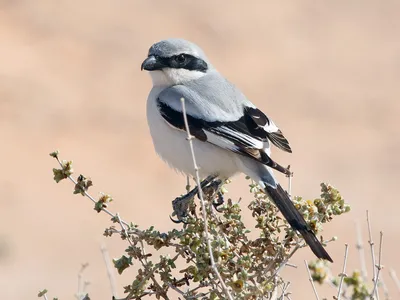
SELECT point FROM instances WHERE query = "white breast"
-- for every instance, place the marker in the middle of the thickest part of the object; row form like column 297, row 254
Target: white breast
column 172, row 146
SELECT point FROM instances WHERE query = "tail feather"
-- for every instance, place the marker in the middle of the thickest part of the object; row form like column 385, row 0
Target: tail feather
column 296, row 220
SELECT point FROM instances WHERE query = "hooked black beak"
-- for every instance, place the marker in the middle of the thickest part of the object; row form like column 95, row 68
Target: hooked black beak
column 151, row 63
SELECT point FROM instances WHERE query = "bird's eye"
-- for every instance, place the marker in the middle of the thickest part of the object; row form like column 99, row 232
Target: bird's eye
column 181, row 58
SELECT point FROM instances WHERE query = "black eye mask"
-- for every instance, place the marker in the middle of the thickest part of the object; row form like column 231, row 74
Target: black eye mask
column 184, row 61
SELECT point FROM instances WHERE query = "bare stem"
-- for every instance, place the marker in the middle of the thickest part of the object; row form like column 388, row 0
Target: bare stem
column 203, row 206
column 311, row 280
column 283, row 263
column 123, row 229
column 343, row 274
column 379, row 267
column 284, row 289
column 371, row 243
column 176, row 289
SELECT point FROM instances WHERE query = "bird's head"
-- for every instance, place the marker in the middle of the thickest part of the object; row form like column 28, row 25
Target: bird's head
column 175, row 61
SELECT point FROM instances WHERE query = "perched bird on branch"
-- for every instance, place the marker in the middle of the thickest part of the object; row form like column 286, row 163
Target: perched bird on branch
column 231, row 134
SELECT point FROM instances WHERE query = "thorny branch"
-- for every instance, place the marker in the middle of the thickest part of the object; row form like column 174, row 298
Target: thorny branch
column 371, row 243
column 356, row 285
column 343, row 274
column 248, row 267
column 311, row 280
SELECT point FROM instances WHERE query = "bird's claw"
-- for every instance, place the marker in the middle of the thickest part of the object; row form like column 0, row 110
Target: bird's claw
column 219, row 202
column 177, row 221
column 181, row 206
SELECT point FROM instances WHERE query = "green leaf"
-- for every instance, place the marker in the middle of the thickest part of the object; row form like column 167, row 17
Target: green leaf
column 122, row 263
column 86, row 297
column 42, row 293
column 103, row 203
column 54, row 154
column 82, row 185
column 58, row 175
column 65, row 171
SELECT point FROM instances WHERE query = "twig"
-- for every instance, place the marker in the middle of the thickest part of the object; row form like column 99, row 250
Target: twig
column 291, row 265
column 283, row 263
column 126, row 233
column 371, row 243
column 343, row 274
column 89, row 196
column 284, row 289
column 378, row 266
column 274, row 292
column 203, row 206
column 311, row 280
column 200, row 286
column 123, row 229
column 176, row 289
column 394, row 277
column 361, row 252
column 110, row 272
column 330, row 281
column 144, row 263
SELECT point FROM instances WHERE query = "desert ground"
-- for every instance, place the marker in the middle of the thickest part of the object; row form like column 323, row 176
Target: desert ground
column 327, row 73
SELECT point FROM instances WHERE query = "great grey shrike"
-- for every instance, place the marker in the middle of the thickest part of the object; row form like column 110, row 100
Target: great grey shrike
column 231, row 134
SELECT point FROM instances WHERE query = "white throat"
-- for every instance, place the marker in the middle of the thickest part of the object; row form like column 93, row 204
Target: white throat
column 170, row 76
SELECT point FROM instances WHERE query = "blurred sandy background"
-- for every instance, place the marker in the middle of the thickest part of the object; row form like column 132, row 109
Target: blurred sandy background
column 328, row 74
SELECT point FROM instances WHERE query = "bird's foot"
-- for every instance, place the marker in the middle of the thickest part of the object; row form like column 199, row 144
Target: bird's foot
column 184, row 204
column 181, row 206
column 219, row 201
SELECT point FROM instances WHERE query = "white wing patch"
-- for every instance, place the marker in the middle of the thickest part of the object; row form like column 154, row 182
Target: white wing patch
column 242, row 138
column 221, row 142
column 271, row 127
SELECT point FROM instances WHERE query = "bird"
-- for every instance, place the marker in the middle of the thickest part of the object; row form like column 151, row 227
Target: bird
column 231, row 135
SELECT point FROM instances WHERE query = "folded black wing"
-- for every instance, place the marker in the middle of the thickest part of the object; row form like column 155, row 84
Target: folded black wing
column 259, row 125
column 236, row 136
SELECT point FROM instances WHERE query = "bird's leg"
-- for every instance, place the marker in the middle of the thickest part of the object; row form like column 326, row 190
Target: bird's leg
column 181, row 204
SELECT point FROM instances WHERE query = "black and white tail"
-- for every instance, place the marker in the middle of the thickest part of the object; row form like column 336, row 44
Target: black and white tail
column 296, row 220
